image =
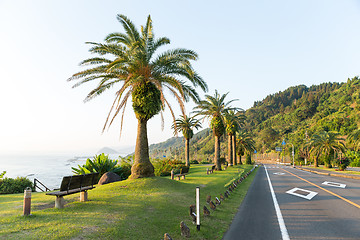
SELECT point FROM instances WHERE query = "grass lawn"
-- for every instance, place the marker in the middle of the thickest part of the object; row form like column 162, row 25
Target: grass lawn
column 131, row 209
column 334, row 170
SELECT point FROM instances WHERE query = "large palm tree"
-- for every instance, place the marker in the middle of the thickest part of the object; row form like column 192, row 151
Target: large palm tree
column 324, row 143
column 186, row 125
column 245, row 144
column 214, row 109
column 354, row 137
column 141, row 75
column 233, row 121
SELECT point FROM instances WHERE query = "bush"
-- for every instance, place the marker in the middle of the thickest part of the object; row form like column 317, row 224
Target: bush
column 124, row 169
column 100, row 164
column 17, row 185
column 194, row 162
column 354, row 158
column 342, row 163
column 164, row 167
column 2, row 174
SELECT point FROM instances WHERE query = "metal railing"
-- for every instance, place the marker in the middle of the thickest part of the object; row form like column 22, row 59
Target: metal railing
column 40, row 183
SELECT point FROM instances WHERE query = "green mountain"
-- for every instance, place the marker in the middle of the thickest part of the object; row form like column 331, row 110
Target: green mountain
column 293, row 114
column 300, row 111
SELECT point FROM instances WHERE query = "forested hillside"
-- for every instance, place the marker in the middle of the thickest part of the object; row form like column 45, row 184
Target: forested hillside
column 294, row 114
column 302, row 110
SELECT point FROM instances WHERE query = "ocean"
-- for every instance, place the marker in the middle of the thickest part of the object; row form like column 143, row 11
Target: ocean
column 48, row 169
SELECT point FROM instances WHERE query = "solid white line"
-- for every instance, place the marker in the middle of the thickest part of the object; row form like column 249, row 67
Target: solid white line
column 283, row 230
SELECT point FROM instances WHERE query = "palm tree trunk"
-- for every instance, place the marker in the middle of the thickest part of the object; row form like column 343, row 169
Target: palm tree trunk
column 230, row 155
column 217, row 153
column 142, row 166
column 316, row 160
column 187, row 152
column 234, row 149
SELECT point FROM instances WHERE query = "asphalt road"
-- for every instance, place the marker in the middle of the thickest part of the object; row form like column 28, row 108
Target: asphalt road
column 307, row 208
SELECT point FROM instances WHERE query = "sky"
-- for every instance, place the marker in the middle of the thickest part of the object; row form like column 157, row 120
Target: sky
column 248, row 48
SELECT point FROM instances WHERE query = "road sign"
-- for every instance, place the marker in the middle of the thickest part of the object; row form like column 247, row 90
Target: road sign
column 255, row 151
column 283, row 142
column 278, row 149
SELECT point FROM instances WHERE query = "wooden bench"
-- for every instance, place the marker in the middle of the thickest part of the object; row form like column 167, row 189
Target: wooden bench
column 178, row 176
column 74, row 184
column 208, row 171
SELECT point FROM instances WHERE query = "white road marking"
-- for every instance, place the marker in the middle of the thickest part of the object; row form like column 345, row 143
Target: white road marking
column 333, row 184
column 279, row 173
column 283, row 230
column 308, row 196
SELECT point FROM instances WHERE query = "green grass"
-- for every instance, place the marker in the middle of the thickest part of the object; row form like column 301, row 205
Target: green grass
column 131, row 209
column 335, row 170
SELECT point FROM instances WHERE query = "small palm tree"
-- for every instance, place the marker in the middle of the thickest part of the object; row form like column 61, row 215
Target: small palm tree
column 324, row 143
column 140, row 75
column 246, row 145
column 234, row 122
column 186, row 125
column 354, row 137
column 214, row 109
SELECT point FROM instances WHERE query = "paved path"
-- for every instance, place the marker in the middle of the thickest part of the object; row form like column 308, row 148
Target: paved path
column 310, row 209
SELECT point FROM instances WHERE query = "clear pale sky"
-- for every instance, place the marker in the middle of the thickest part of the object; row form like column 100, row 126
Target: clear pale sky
column 247, row 48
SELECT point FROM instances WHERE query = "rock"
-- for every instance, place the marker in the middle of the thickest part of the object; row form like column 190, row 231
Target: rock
column 226, row 194
column 212, row 205
column 193, row 216
column 217, row 201
column 222, row 197
column 167, row 237
column 230, row 189
column 192, row 209
column 206, row 211
column 185, row 230
column 109, row 177
column 208, row 198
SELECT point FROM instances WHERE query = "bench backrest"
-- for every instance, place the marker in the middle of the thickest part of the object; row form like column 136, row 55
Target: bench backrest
column 78, row 181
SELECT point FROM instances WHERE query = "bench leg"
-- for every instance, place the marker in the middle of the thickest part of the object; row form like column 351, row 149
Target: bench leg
column 183, row 177
column 59, row 202
column 178, row 177
column 83, row 196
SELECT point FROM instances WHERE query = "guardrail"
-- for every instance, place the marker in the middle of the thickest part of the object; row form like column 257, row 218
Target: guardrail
column 40, row 183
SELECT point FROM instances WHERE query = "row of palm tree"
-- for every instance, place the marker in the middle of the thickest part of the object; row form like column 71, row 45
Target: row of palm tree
column 329, row 143
column 130, row 62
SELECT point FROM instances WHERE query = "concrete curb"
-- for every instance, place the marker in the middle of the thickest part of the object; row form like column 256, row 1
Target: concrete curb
column 330, row 174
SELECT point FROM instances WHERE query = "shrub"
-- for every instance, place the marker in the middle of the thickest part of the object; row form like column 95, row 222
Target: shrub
column 164, row 167
column 17, row 185
column 124, row 169
column 354, row 158
column 342, row 163
column 100, row 164
column 2, row 174
column 194, row 162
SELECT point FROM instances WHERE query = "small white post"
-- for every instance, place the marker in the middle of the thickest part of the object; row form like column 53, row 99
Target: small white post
column 198, row 208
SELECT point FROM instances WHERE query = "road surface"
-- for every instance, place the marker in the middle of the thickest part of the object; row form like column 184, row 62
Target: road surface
column 288, row 203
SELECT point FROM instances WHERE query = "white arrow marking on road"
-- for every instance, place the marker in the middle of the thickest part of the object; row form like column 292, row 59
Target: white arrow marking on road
column 279, row 173
column 308, row 196
column 333, row 184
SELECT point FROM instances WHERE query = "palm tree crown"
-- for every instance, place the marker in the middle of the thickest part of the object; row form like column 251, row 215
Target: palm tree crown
column 186, row 125
column 324, row 143
column 131, row 63
column 214, row 109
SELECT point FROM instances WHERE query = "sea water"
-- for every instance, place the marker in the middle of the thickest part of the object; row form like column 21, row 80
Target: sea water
column 48, row 169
